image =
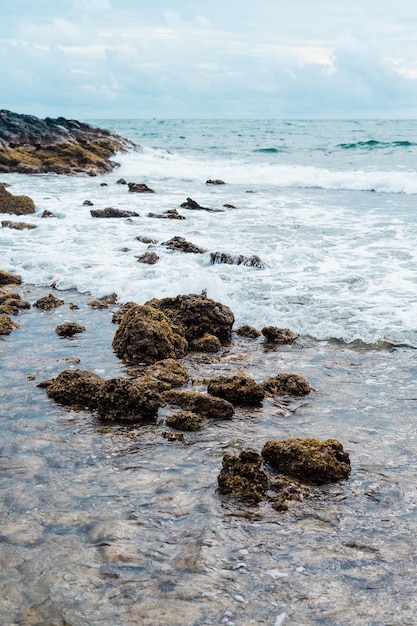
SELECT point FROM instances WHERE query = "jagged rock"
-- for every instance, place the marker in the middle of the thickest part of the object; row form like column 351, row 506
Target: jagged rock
column 111, row 298
column 238, row 389
column 181, row 244
column 88, row 203
column 7, row 278
column 201, row 403
column 47, row 303
column 242, row 478
column 216, row 181
column 171, row 214
column 33, row 146
column 16, row 205
column 79, row 388
column 196, row 315
column 18, row 225
column 309, row 460
column 7, row 325
column 206, row 343
column 273, row 334
column 240, row 259
column 248, row 331
column 192, row 205
column 118, row 315
column 110, row 212
column 229, row 206
column 146, row 239
column 169, row 436
column 68, row 329
column 169, row 371
column 103, row 185
column 47, row 214
column 121, row 181
column 184, row 420
column 12, row 303
column 145, row 336
column 127, row 400
column 98, row 304
column 139, row 188
column 287, row 385
column 150, row 258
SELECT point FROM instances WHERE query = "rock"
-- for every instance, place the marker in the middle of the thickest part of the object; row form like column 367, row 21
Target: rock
column 242, row 478
column 309, row 460
column 78, row 388
column 111, row 298
column 103, row 185
column 273, row 334
column 184, row 420
column 110, row 212
column 169, row 436
column 241, row 259
column 18, row 225
column 7, row 278
column 217, row 181
column 34, row 146
column 239, row 389
column 171, row 214
column 47, row 303
column 47, row 214
column 139, row 188
column 192, row 205
column 118, row 315
column 127, row 400
column 7, row 325
column 16, row 205
column 150, row 258
column 121, row 181
column 98, row 304
column 88, row 203
column 196, row 315
column 248, row 331
column 201, row 403
column 229, row 206
column 12, row 303
column 206, row 343
column 169, row 371
column 179, row 243
column 287, row 385
column 146, row 239
column 68, row 329
column 145, row 336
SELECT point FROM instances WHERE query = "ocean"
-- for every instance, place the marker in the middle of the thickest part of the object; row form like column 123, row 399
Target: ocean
column 112, row 524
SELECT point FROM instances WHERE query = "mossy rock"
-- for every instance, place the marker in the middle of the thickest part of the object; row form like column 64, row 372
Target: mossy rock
column 7, row 325
column 273, row 334
column 169, row 371
column 242, row 477
column 127, row 400
column 48, row 303
column 69, row 329
column 15, row 205
column 206, row 343
column 248, row 331
column 287, row 385
column 7, row 278
column 238, row 389
column 185, row 420
column 77, row 388
column 201, row 403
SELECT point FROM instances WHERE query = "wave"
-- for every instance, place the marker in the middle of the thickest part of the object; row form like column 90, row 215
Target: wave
column 372, row 144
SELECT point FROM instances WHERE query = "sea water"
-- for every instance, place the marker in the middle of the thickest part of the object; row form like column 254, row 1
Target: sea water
column 114, row 525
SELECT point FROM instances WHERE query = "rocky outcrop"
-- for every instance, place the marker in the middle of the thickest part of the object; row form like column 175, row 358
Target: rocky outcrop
column 69, row 329
column 78, row 388
column 206, row 343
column 139, row 188
column 201, row 403
column 248, row 331
column 48, row 303
column 150, row 258
column 127, row 400
column 7, row 278
column 110, row 212
column 184, row 420
column 7, row 325
column 273, row 334
column 18, row 225
column 192, row 205
column 171, row 214
column 287, row 385
column 11, row 303
column 241, row 477
column 239, row 389
column 31, row 145
column 240, row 259
column 14, row 205
column 169, row 371
column 182, row 245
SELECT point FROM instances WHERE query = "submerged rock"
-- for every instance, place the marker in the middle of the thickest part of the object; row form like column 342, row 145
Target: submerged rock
column 192, row 205
column 18, row 225
column 110, row 212
column 139, row 188
column 309, row 460
column 273, row 334
column 239, row 389
column 184, row 420
column 171, row 214
column 79, row 388
column 181, row 244
column 150, row 258
column 169, row 371
column 7, row 278
column 68, row 329
column 201, row 403
column 7, row 325
column 16, row 205
column 242, row 477
column 48, row 303
column 240, row 259
column 287, row 385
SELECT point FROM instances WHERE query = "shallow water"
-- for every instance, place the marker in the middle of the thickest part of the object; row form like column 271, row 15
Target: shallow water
column 116, row 525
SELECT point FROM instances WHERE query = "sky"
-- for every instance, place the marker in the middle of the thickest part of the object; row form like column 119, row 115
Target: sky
column 95, row 59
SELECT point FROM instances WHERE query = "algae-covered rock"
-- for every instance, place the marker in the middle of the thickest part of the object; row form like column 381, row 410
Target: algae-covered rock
column 239, row 259
column 182, row 245
column 184, row 420
column 145, row 336
column 196, row 315
column 7, row 278
column 15, row 205
column 48, row 303
column 17, row 225
column 127, row 400
column 206, row 343
column 201, row 403
column 309, row 460
column 11, row 303
column 238, row 389
column 118, row 315
column 169, row 371
column 150, row 258
column 248, row 331
column 68, row 329
column 273, row 334
column 242, row 477
column 110, row 212
column 287, row 385
column 171, row 214
column 7, row 325
column 78, row 388
column 139, row 188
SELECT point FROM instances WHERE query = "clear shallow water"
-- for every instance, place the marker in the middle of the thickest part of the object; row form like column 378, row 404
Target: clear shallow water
column 331, row 213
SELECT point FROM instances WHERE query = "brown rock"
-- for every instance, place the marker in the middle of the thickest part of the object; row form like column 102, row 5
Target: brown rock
column 146, row 239
column 192, row 205
column 16, row 205
column 248, row 331
column 129, row 400
column 68, row 329
column 287, row 385
column 47, row 214
column 47, row 303
column 169, row 371
column 182, row 245
column 309, row 460
column 139, row 188
column 150, row 258
column 88, row 203
column 184, row 420
column 12, row 303
column 206, row 343
column 171, row 214
column 7, row 278
column 18, row 225
column 242, row 478
column 121, row 181
column 79, row 388
column 240, row 259
column 273, row 334
column 118, row 315
column 239, row 389
column 201, row 403
column 7, row 325
column 110, row 212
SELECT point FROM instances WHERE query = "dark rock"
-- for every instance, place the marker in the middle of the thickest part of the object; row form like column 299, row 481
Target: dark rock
column 68, row 329
column 171, row 214
column 179, row 243
column 73, row 306
column 7, row 278
column 248, row 331
column 145, row 336
column 88, row 203
column 121, row 181
column 110, row 212
column 79, row 388
column 150, row 258
column 139, row 188
column 33, row 146
column 242, row 478
column 103, row 185
column 18, row 225
column 16, row 205
column 206, row 343
column 192, row 205
column 216, row 181
column 201, row 403
column 98, row 304
column 229, row 206
column 184, row 420
column 12, row 303
column 118, row 315
column 241, row 259
column 129, row 400
column 111, row 298
column 309, row 460
column 238, row 389
column 287, row 385
column 47, row 303
column 273, row 334
column 146, row 239
column 7, row 325
column 47, row 214
column 169, row 436
column 169, row 371
column 196, row 315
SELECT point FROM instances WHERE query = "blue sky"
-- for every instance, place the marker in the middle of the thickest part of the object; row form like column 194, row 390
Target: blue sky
column 217, row 58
